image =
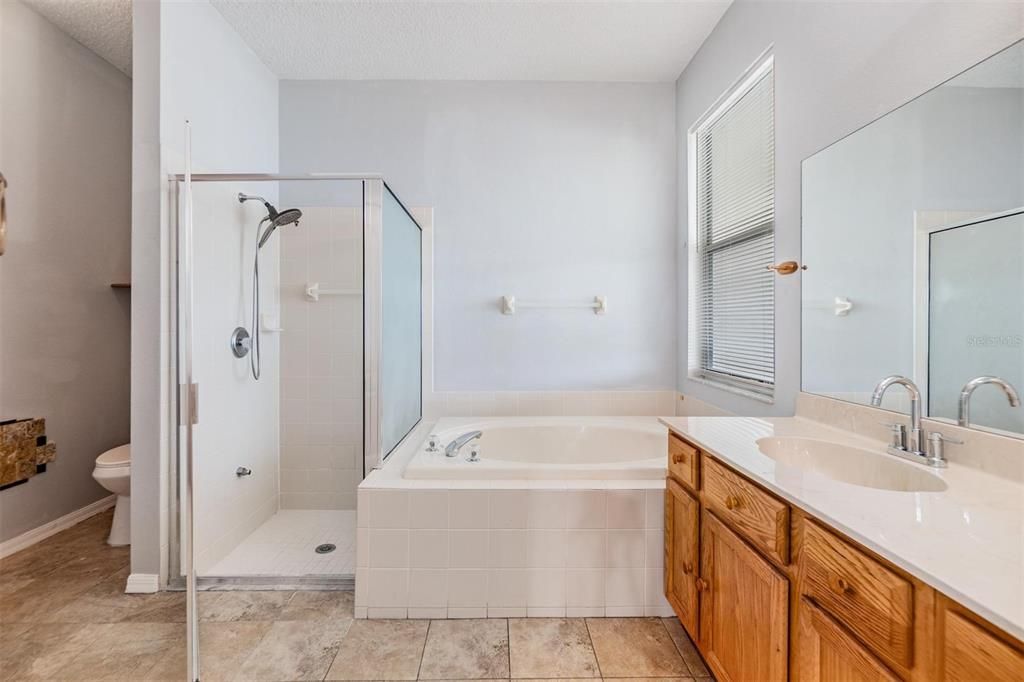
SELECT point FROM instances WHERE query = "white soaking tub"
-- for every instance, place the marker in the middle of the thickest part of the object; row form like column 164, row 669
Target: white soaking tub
column 548, row 448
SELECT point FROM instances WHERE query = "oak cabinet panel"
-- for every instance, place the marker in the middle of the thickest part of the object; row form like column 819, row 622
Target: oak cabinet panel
column 875, row 603
column 828, row 653
column 970, row 653
column 683, row 462
column 756, row 514
column 744, row 608
column 682, row 528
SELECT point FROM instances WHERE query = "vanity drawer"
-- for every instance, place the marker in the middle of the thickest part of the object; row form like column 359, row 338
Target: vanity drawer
column 683, row 460
column 872, row 601
column 761, row 518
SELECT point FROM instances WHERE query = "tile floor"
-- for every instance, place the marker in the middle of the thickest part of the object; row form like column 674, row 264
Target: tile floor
column 284, row 544
column 63, row 616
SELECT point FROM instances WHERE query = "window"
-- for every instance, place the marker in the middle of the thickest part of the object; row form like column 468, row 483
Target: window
column 732, row 210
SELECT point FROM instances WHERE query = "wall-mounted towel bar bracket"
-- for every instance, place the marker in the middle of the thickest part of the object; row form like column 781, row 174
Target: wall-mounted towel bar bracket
column 509, row 305
column 314, row 292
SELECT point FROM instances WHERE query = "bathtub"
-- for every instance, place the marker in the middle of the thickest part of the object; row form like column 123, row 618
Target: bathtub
column 548, row 448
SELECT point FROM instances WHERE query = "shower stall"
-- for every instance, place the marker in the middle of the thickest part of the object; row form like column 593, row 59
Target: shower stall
column 270, row 449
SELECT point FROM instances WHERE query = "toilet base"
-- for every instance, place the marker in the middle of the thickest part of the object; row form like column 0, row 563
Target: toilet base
column 121, row 528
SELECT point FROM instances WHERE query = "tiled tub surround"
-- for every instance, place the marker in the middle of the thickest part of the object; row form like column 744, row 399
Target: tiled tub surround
column 490, row 551
column 506, row 547
column 321, row 361
column 966, row 541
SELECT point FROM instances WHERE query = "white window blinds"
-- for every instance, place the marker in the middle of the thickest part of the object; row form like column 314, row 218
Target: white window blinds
column 735, row 202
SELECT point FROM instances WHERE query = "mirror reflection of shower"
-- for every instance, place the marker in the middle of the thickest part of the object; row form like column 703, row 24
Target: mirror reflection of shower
column 273, row 220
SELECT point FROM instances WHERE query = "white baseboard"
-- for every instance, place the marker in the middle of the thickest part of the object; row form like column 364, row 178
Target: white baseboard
column 142, row 583
column 31, row 537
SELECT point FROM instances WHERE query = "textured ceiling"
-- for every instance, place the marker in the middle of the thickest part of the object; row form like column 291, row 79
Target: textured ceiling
column 586, row 40
column 103, row 26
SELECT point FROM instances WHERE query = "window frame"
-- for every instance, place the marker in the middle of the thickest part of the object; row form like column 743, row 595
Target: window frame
column 696, row 368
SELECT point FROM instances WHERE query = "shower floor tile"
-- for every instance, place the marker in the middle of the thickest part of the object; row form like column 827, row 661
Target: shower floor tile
column 285, row 546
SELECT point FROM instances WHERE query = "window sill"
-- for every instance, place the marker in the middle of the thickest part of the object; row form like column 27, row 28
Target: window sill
column 735, row 390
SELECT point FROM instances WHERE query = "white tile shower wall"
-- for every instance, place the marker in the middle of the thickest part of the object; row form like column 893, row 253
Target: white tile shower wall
column 321, row 361
column 550, row 403
column 473, row 553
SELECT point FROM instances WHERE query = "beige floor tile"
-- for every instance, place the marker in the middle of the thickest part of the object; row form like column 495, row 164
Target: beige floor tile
column 37, row 652
column 686, row 648
column 38, row 601
column 107, row 602
column 238, row 605
column 466, row 649
column 124, row 651
column 330, row 605
column 551, row 648
column 380, row 650
column 635, row 647
column 294, row 650
column 224, row 647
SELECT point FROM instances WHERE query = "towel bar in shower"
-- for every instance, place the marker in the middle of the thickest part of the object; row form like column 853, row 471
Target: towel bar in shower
column 314, row 292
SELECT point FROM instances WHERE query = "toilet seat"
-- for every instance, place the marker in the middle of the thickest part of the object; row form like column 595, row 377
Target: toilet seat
column 115, row 457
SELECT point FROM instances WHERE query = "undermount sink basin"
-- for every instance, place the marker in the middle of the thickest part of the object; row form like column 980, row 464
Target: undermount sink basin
column 850, row 465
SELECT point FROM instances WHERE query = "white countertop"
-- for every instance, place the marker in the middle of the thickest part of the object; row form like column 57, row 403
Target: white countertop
column 967, row 541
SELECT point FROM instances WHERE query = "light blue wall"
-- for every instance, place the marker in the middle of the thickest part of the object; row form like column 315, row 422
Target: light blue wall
column 540, row 190
column 837, row 67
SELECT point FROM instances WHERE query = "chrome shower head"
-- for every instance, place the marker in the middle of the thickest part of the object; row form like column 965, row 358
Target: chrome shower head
column 289, row 216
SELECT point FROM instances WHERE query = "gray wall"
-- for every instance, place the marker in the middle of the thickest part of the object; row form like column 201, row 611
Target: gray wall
column 65, row 148
column 561, row 191
column 837, row 67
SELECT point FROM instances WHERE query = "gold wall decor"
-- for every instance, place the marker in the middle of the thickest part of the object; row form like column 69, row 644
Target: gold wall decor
column 23, row 448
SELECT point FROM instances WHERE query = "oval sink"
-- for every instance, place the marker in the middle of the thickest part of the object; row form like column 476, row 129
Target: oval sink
column 850, row 465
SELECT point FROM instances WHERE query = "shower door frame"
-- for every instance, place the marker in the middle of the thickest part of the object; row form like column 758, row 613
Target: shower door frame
column 187, row 393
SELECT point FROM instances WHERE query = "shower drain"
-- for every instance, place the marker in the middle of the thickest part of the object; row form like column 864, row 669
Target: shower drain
column 325, row 548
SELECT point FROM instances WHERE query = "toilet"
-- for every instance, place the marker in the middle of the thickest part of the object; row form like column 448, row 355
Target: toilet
column 113, row 472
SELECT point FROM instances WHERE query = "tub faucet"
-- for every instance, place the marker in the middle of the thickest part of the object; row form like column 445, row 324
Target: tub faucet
column 914, row 441
column 453, row 448
column 964, row 413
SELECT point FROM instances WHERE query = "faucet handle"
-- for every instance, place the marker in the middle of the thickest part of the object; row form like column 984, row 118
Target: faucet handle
column 936, row 440
column 898, row 433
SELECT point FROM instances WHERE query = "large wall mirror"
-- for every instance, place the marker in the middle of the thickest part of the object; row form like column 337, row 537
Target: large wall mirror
column 913, row 234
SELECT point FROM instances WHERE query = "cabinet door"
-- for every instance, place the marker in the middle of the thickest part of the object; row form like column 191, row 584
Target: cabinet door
column 682, row 517
column 744, row 609
column 970, row 653
column 826, row 652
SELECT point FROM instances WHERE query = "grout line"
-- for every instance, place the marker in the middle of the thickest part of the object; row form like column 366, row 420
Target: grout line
column 423, row 651
column 600, row 673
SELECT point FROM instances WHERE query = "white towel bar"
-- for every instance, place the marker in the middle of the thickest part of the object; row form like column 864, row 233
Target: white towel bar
column 314, row 292
column 509, row 305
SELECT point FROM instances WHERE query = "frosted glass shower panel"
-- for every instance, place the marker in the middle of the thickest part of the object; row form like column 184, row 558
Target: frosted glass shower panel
column 401, row 368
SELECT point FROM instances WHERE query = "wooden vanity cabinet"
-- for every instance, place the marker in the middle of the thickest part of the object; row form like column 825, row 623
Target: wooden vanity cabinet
column 969, row 650
column 827, row 652
column 768, row 593
column 744, row 608
column 682, row 528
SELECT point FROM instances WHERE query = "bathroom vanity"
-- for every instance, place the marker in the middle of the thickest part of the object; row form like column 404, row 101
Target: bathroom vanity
column 784, row 573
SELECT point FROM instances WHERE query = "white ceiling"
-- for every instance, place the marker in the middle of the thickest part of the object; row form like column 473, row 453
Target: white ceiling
column 586, row 40
column 103, row 26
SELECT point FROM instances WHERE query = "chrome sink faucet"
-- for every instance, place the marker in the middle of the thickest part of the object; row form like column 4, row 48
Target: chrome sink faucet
column 913, row 441
column 964, row 413
column 912, row 445
column 453, row 448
